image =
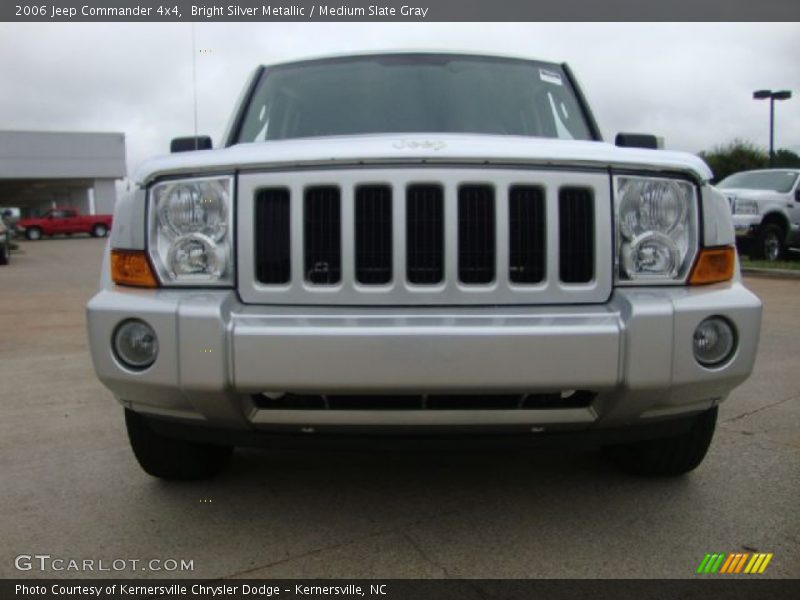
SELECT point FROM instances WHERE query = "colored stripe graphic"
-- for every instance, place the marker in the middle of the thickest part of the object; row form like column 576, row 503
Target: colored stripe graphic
column 728, row 564
column 718, row 564
column 741, row 562
column 735, row 563
column 753, row 562
column 711, row 563
column 764, row 564
column 703, row 563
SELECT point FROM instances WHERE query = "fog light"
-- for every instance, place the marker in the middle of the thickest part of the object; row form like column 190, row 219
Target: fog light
column 135, row 344
column 714, row 341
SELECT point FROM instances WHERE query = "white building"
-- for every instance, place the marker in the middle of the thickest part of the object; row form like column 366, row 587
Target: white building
column 42, row 169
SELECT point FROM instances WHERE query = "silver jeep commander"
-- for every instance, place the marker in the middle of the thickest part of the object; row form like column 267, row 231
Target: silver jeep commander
column 417, row 244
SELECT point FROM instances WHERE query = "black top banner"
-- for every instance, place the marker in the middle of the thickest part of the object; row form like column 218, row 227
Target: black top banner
column 401, row 10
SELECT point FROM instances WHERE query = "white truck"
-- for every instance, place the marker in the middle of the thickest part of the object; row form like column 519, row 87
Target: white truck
column 766, row 210
column 406, row 244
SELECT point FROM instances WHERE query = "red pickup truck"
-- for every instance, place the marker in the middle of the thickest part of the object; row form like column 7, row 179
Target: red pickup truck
column 65, row 220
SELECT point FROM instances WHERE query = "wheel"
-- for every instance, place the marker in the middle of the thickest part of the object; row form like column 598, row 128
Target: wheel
column 671, row 456
column 33, row 233
column 170, row 458
column 99, row 230
column 4, row 251
column 768, row 245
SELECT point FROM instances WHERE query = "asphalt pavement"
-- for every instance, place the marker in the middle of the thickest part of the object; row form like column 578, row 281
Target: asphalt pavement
column 73, row 490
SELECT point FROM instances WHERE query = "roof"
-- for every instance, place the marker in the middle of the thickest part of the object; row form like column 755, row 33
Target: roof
column 62, row 155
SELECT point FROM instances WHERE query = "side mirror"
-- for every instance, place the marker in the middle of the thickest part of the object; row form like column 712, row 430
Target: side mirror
column 637, row 140
column 187, row 144
column 797, row 194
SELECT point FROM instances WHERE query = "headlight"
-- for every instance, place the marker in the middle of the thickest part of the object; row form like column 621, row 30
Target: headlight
column 745, row 207
column 656, row 228
column 191, row 241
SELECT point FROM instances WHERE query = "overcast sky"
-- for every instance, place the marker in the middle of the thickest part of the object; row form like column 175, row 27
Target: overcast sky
column 691, row 83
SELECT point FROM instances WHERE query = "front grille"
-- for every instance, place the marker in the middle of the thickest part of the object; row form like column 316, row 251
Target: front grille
column 425, row 234
column 322, row 235
column 373, row 227
column 476, row 245
column 546, row 401
column 432, row 236
column 526, row 234
column 273, row 252
column 576, row 235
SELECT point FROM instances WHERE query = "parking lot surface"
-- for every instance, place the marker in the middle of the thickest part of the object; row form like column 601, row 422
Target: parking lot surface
column 72, row 488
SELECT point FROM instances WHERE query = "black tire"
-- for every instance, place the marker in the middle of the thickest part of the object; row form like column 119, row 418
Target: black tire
column 173, row 459
column 4, row 251
column 769, row 243
column 99, row 230
column 33, row 233
column 668, row 457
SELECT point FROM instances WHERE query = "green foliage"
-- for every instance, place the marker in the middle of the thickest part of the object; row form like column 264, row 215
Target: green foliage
column 786, row 159
column 741, row 155
column 784, row 265
column 738, row 155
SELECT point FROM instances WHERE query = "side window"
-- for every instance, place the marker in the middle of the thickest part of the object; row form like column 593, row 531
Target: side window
column 58, row 214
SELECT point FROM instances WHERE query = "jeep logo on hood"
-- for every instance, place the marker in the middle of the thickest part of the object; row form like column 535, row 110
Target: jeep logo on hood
column 434, row 145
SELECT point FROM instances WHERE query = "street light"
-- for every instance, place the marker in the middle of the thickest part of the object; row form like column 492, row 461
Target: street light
column 780, row 95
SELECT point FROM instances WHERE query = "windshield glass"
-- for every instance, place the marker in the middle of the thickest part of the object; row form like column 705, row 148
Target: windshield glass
column 776, row 181
column 413, row 93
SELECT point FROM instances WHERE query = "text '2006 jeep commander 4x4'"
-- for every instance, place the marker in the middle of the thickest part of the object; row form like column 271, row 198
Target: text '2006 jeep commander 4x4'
column 421, row 243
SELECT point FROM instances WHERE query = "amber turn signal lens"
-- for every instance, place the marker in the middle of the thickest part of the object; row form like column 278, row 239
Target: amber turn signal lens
column 131, row 267
column 713, row 265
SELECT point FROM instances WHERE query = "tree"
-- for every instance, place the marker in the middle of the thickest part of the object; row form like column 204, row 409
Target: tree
column 738, row 155
column 786, row 159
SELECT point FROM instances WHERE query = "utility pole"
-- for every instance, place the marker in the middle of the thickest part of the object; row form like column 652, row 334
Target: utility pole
column 772, row 96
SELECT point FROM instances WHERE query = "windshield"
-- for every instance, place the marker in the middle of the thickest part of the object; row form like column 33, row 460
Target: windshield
column 776, row 181
column 413, row 93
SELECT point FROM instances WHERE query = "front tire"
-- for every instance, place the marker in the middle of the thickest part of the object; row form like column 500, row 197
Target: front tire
column 768, row 244
column 33, row 234
column 4, row 252
column 173, row 459
column 668, row 457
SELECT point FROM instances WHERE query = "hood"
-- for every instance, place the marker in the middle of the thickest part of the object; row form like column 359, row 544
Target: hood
column 422, row 148
column 747, row 194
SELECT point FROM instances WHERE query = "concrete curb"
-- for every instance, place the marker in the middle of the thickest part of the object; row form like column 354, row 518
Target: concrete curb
column 772, row 273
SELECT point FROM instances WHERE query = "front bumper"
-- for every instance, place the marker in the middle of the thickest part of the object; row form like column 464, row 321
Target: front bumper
column 745, row 226
column 216, row 354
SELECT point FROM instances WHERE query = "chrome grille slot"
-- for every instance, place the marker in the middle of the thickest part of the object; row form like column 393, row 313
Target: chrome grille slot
column 322, row 235
column 576, row 235
column 373, row 234
column 526, row 233
column 273, row 252
column 476, row 234
column 424, row 234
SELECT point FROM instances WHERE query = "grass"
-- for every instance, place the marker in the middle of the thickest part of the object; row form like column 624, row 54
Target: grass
column 789, row 265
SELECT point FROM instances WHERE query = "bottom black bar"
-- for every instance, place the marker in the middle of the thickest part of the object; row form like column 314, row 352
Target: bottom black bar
column 702, row 587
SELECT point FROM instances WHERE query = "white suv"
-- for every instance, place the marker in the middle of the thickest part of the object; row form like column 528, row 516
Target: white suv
column 421, row 244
